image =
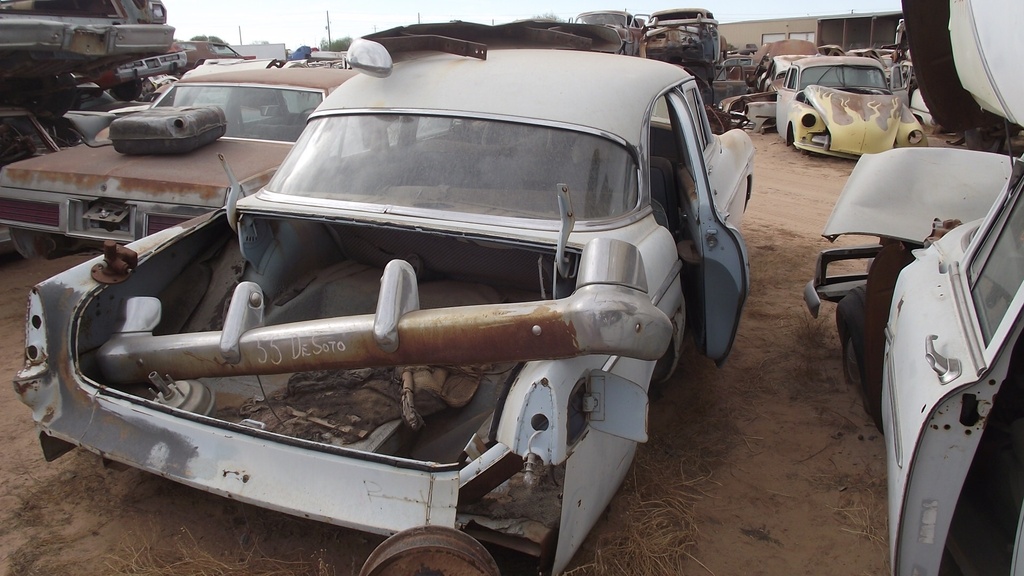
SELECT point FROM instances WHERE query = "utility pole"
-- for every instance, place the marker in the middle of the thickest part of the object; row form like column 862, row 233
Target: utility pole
column 239, row 35
column 328, row 29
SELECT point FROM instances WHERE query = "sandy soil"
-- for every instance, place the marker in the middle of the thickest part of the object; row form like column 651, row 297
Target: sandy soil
column 765, row 466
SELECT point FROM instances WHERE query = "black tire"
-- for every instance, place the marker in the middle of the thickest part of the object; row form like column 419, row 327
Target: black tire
column 850, row 324
column 789, row 136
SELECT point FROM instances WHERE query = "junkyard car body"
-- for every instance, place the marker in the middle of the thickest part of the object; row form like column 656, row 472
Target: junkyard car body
column 44, row 42
column 199, row 51
column 126, row 81
column 931, row 334
column 22, row 135
column 545, row 250
column 767, row 70
column 687, row 37
column 842, row 106
column 83, row 196
column 630, row 28
column 903, row 82
column 934, row 333
column 731, row 77
column 760, row 107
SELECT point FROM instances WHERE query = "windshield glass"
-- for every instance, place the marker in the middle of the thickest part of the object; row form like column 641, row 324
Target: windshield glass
column 604, row 19
column 258, row 113
column 998, row 278
column 223, row 50
column 457, row 164
column 843, row 77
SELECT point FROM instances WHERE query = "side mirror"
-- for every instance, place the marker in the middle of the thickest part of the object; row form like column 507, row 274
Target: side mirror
column 370, row 58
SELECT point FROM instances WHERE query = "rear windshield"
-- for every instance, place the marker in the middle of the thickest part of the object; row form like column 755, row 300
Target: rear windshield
column 458, row 164
column 255, row 112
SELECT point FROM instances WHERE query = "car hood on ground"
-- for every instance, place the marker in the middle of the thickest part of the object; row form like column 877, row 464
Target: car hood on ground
column 196, row 178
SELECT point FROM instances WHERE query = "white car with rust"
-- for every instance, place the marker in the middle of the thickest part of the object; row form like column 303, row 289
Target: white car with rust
column 440, row 318
column 931, row 331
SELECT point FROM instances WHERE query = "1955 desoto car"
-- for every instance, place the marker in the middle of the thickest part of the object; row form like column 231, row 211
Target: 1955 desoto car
column 842, row 106
column 440, row 318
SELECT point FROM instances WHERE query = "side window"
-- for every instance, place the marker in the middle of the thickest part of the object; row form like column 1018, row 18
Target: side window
column 896, row 77
column 998, row 272
column 791, row 79
column 696, row 106
column 301, row 102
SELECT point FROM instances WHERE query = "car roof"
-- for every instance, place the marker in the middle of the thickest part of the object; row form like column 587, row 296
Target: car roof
column 606, row 92
column 616, row 12
column 203, row 43
column 318, row 78
column 812, row 61
column 683, row 13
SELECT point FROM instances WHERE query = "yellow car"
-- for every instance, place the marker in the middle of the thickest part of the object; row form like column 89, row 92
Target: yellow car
column 841, row 106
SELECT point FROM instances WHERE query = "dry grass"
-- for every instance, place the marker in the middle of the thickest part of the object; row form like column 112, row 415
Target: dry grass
column 656, row 539
column 187, row 558
column 653, row 530
column 863, row 520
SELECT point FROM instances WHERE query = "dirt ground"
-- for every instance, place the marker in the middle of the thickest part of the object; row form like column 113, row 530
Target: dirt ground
column 765, row 466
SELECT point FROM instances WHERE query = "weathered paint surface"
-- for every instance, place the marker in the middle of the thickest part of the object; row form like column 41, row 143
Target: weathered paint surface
column 845, row 108
column 856, row 123
column 195, row 178
column 595, row 320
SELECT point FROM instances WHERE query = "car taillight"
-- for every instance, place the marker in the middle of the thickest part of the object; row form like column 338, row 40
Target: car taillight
column 158, row 222
column 42, row 213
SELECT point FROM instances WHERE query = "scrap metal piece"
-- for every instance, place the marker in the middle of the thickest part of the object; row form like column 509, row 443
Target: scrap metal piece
column 118, row 263
column 433, row 43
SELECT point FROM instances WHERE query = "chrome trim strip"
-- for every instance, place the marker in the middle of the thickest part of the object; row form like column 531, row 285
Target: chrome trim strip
column 967, row 317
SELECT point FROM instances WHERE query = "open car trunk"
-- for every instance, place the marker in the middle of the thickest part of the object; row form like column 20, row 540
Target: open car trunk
column 318, row 271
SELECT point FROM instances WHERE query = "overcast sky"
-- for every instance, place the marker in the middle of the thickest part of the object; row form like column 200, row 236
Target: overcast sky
column 305, row 21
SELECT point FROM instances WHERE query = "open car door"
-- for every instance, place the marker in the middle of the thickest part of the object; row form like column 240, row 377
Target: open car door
column 717, row 280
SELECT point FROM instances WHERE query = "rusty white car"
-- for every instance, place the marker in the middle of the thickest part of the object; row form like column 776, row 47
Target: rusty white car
column 439, row 320
column 78, row 198
column 931, row 331
column 842, row 106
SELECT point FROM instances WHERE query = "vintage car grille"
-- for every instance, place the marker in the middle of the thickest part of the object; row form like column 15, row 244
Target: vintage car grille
column 42, row 213
column 158, row 222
